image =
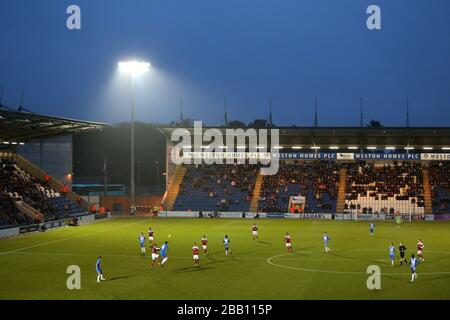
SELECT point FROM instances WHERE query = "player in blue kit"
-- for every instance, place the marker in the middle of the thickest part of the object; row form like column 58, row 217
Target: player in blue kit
column 392, row 253
column 226, row 242
column 413, row 265
column 163, row 253
column 142, row 242
column 98, row 269
column 372, row 228
column 326, row 239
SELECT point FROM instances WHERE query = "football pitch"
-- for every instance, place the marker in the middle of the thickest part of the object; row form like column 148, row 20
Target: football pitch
column 34, row 266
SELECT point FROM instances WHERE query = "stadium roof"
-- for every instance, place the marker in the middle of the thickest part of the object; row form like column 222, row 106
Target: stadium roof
column 361, row 137
column 22, row 125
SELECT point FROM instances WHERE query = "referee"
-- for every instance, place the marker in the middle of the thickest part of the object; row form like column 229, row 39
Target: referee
column 402, row 250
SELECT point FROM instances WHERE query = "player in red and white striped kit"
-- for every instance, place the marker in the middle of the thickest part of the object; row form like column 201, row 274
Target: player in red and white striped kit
column 420, row 247
column 255, row 232
column 205, row 245
column 288, row 241
column 195, row 252
column 155, row 255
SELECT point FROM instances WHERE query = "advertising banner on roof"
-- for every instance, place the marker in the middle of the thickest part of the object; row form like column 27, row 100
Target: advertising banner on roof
column 435, row 156
column 387, row 156
column 345, row 156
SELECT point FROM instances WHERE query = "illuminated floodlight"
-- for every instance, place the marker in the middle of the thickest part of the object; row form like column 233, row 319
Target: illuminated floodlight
column 315, row 147
column 334, row 148
column 371, row 148
column 134, row 67
column 390, row 148
column 409, row 148
column 427, row 148
column 445, row 148
column 297, row 147
column 352, row 148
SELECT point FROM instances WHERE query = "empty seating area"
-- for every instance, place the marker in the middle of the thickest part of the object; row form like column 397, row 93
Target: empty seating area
column 216, row 187
column 395, row 187
column 17, row 185
column 439, row 174
column 316, row 180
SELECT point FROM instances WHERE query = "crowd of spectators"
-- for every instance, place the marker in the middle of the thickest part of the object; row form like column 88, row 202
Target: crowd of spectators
column 439, row 173
column 316, row 178
column 397, row 180
column 17, row 185
column 9, row 214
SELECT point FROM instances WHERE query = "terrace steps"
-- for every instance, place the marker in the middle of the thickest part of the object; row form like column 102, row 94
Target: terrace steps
column 340, row 204
column 174, row 188
column 427, row 192
column 256, row 192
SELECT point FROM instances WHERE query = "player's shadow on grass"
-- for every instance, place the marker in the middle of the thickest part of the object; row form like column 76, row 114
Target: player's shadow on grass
column 204, row 266
column 263, row 242
column 119, row 278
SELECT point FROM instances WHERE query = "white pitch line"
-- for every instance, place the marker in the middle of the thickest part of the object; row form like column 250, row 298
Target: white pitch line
column 63, row 239
column 269, row 261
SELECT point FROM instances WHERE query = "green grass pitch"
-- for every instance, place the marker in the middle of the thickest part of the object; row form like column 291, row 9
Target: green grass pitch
column 34, row 266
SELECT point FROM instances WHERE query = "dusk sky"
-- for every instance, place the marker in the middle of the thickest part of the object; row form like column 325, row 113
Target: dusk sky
column 246, row 50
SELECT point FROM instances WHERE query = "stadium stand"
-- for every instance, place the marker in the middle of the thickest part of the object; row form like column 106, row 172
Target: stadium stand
column 216, row 187
column 439, row 173
column 316, row 180
column 384, row 188
column 17, row 186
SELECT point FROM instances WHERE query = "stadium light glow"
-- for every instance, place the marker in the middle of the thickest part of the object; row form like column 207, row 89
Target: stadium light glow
column 427, row 148
column 390, row 148
column 297, row 147
column 315, row 147
column 133, row 67
column 334, row 148
column 14, row 142
column 278, row 147
column 5, row 142
column 371, row 148
column 352, row 148
column 445, row 148
column 409, row 148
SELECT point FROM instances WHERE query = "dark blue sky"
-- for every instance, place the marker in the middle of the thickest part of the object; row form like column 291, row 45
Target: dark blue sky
column 247, row 50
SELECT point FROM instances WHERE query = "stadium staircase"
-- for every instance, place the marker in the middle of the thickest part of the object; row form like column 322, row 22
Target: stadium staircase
column 427, row 192
column 29, row 211
column 256, row 193
column 340, row 205
column 174, row 188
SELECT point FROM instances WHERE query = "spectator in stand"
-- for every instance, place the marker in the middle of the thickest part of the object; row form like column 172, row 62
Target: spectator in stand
column 79, row 201
column 64, row 190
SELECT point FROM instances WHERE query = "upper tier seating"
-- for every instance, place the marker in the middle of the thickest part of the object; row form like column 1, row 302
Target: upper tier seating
column 216, row 187
column 388, row 188
column 316, row 180
column 439, row 173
